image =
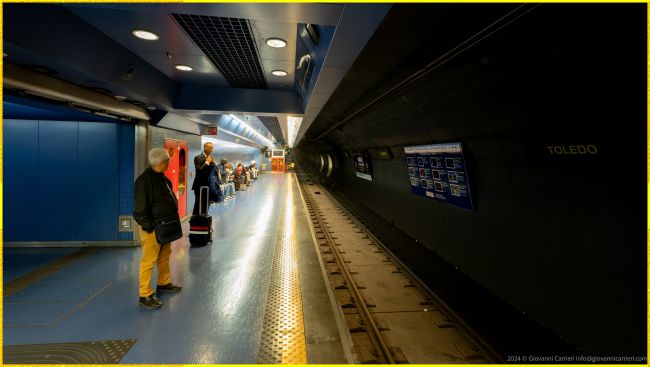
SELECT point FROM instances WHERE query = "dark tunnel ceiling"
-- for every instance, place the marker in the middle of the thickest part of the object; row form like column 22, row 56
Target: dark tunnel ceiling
column 391, row 56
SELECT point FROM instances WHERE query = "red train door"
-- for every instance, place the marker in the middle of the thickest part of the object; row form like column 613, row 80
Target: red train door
column 177, row 172
column 277, row 164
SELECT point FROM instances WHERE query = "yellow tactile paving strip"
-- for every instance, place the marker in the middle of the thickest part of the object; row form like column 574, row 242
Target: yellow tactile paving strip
column 283, row 331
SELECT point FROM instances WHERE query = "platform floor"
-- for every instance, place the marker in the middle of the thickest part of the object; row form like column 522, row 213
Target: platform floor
column 219, row 316
column 20, row 261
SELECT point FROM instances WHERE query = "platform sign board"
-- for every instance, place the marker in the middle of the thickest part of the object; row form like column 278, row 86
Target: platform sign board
column 362, row 165
column 438, row 171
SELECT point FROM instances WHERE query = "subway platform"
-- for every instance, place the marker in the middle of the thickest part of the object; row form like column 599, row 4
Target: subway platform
column 258, row 294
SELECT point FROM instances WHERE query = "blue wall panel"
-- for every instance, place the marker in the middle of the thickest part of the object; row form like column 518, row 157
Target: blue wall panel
column 20, row 179
column 67, row 180
column 127, row 154
column 57, row 181
column 98, row 182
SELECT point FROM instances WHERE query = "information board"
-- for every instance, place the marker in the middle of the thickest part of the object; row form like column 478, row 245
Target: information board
column 362, row 164
column 438, row 171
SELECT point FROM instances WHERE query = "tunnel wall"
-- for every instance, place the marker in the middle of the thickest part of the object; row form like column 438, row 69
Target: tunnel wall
column 560, row 237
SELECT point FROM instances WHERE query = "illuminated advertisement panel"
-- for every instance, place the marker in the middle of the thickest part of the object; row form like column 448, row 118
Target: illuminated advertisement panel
column 438, row 171
column 362, row 165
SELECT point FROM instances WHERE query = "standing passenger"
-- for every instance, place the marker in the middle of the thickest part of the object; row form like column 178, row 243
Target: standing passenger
column 222, row 167
column 231, row 182
column 224, row 178
column 203, row 163
column 154, row 201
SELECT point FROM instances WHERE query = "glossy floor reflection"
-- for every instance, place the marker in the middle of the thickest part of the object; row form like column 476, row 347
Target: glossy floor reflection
column 217, row 318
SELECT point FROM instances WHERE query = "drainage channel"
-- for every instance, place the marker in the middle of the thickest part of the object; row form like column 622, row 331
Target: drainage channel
column 391, row 315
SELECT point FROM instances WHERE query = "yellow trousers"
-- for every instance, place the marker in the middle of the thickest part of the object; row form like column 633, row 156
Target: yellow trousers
column 153, row 254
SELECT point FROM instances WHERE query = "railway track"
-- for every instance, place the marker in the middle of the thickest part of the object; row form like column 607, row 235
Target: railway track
column 391, row 315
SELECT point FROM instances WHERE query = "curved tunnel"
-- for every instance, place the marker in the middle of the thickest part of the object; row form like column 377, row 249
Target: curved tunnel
column 556, row 236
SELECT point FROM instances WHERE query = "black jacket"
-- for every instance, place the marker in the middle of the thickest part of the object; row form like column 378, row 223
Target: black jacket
column 203, row 169
column 153, row 199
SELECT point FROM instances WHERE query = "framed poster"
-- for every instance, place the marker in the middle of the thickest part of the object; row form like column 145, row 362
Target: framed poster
column 362, row 165
column 438, row 171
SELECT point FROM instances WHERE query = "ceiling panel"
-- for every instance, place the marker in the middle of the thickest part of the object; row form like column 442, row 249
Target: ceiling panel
column 229, row 44
column 119, row 25
column 276, row 58
column 273, row 125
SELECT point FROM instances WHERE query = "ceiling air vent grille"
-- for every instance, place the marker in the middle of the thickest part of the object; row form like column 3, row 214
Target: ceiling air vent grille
column 272, row 123
column 230, row 46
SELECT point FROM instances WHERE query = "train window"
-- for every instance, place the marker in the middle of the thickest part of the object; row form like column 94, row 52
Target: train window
column 330, row 165
column 181, row 158
column 182, row 168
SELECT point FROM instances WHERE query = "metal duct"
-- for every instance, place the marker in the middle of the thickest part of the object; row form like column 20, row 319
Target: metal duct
column 16, row 77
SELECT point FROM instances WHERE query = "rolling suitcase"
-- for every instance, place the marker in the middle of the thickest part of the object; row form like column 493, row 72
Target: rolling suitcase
column 201, row 224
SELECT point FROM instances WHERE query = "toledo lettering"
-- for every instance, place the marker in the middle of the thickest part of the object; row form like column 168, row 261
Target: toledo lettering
column 588, row 149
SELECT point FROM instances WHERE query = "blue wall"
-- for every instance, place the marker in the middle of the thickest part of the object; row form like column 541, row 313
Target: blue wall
column 126, row 174
column 20, row 194
column 66, row 180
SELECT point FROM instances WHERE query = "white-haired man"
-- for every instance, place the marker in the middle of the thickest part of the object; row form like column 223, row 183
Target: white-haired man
column 154, row 201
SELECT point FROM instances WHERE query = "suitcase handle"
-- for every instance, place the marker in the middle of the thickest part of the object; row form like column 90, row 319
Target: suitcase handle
column 207, row 200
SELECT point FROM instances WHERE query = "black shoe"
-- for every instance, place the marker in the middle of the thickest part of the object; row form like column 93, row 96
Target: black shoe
column 150, row 301
column 168, row 288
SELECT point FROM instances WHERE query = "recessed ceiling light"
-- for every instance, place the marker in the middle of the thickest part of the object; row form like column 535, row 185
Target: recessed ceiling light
column 279, row 72
column 120, row 98
column 183, row 67
column 145, row 35
column 276, row 42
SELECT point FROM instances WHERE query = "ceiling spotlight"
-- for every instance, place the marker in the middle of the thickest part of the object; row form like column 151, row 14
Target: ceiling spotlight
column 279, row 72
column 119, row 98
column 276, row 42
column 183, row 67
column 145, row 35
